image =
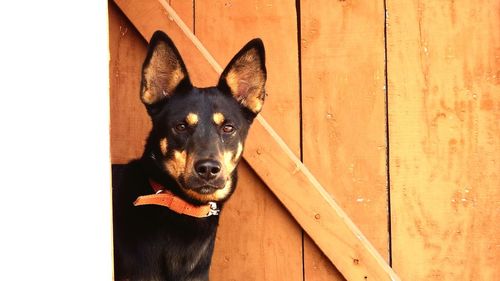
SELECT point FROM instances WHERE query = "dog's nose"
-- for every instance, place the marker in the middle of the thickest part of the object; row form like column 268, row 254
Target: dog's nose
column 207, row 169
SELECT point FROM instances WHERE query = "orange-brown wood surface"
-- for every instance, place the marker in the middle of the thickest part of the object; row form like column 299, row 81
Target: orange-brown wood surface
column 129, row 120
column 343, row 116
column 444, row 114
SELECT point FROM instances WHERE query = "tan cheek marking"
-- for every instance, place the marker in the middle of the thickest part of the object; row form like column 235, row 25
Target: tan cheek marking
column 223, row 193
column 228, row 162
column 176, row 166
column 238, row 152
column 164, row 146
column 218, row 118
column 189, row 163
column 192, row 119
column 230, row 159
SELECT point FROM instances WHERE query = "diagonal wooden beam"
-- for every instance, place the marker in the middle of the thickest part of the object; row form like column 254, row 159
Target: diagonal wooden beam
column 292, row 183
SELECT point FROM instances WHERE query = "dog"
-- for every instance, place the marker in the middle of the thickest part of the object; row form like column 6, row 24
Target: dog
column 166, row 204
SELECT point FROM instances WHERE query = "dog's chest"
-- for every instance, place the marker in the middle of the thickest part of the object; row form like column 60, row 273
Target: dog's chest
column 186, row 257
column 186, row 251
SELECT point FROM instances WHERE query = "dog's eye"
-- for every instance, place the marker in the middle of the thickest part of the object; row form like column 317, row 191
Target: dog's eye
column 181, row 127
column 227, row 128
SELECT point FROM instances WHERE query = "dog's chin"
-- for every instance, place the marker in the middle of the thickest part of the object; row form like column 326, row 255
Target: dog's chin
column 204, row 190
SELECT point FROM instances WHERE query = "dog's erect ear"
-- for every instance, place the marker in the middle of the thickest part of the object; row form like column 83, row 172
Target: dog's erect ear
column 163, row 70
column 245, row 76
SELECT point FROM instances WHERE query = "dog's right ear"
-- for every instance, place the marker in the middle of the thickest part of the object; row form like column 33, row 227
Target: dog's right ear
column 245, row 76
column 163, row 70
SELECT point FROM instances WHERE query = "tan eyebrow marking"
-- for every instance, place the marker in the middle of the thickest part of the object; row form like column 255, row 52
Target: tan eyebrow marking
column 192, row 119
column 218, row 118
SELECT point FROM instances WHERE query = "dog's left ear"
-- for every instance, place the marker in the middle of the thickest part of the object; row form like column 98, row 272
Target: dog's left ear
column 245, row 76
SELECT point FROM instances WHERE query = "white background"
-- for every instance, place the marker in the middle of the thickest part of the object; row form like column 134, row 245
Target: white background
column 55, row 201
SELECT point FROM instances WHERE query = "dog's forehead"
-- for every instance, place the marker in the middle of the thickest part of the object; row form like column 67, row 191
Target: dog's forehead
column 203, row 104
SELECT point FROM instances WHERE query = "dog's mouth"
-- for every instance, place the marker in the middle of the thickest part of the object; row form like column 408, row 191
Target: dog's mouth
column 203, row 187
column 204, row 192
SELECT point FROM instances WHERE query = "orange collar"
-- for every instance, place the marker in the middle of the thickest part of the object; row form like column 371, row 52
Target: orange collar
column 167, row 199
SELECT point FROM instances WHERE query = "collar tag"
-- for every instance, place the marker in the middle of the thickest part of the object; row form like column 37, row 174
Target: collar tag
column 214, row 210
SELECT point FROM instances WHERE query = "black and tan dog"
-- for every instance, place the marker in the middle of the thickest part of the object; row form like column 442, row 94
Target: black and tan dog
column 166, row 204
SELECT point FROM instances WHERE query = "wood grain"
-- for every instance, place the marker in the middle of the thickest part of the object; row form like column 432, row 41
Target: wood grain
column 257, row 239
column 444, row 115
column 270, row 240
column 343, row 116
column 129, row 122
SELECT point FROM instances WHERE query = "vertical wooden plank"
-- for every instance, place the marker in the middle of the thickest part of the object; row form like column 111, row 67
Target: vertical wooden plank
column 267, row 245
column 444, row 116
column 129, row 120
column 185, row 10
column 343, row 98
column 257, row 238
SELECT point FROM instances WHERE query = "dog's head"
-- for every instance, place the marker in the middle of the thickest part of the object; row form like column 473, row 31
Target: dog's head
column 198, row 134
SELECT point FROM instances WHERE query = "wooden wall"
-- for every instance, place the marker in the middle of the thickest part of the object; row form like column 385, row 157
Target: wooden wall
column 398, row 117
